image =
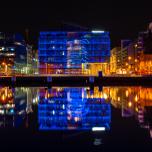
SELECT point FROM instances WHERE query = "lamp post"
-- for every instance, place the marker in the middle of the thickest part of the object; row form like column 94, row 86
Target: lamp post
column 5, row 68
column 129, row 63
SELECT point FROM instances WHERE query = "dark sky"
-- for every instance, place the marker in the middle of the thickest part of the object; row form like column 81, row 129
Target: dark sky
column 123, row 20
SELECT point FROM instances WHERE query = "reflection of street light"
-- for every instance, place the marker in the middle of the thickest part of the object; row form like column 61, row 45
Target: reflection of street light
column 129, row 58
column 136, row 98
column 5, row 67
column 136, row 60
column 129, row 104
column 3, row 63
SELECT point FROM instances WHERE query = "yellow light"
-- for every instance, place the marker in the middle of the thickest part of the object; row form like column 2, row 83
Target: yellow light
column 136, row 109
column 126, row 64
column 105, row 96
column 129, row 58
column 136, row 60
column 129, row 104
column 36, row 99
column 3, row 97
column 118, row 98
column 136, row 98
column 127, row 93
column 6, row 93
column 3, row 63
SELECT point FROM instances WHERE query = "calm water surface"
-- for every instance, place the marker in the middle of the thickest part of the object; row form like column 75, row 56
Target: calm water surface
column 57, row 118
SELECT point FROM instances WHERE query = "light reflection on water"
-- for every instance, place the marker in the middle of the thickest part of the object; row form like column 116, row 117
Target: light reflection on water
column 72, row 108
column 75, row 108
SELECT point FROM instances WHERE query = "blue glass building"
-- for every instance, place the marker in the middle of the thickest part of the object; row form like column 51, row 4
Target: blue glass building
column 69, row 52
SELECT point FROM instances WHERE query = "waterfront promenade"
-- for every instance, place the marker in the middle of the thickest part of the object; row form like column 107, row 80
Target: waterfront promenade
column 65, row 80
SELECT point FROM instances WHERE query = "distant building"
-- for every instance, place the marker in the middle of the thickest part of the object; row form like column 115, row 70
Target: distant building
column 7, row 53
column 126, row 54
column 122, row 58
column 14, row 106
column 144, row 50
column 32, row 60
column 14, row 54
column 115, row 60
column 131, row 57
column 73, row 52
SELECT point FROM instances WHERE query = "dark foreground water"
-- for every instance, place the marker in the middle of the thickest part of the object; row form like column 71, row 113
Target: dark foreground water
column 59, row 119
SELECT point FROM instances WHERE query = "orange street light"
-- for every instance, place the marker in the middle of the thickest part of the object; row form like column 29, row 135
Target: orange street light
column 3, row 63
column 136, row 60
column 129, row 104
column 129, row 57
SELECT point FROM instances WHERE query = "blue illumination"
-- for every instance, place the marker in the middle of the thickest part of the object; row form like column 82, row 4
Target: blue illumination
column 12, row 49
column 64, row 52
column 71, row 109
column 12, row 111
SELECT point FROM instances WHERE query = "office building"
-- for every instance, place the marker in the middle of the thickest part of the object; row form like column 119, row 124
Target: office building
column 73, row 52
column 13, row 54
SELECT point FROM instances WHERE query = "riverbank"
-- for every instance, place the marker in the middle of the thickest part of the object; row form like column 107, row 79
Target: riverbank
column 74, row 81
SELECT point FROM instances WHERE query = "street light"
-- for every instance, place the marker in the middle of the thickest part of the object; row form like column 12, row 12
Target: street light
column 3, row 63
column 136, row 60
column 5, row 67
column 129, row 58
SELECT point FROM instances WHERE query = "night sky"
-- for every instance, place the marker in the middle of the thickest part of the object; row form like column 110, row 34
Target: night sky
column 124, row 20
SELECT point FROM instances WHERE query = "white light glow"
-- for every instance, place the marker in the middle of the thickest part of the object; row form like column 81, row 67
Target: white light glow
column 98, row 129
column 97, row 31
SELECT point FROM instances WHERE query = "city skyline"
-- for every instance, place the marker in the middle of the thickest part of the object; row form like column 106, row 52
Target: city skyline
column 75, row 75
column 77, row 52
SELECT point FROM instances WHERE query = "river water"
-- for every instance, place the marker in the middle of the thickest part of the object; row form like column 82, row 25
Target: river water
column 68, row 118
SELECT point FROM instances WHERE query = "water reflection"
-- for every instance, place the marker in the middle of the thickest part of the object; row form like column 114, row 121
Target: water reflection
column 15, row 105
column 75, row 108
column 134, row 102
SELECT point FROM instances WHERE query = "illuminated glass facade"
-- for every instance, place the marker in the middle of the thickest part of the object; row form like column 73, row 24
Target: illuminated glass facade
column 67, row 52
column 13, row 53
column 69, row 108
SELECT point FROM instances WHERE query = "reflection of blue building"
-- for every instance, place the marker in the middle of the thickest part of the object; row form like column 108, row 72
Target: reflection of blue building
column 64, row 52
column 70, row 109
